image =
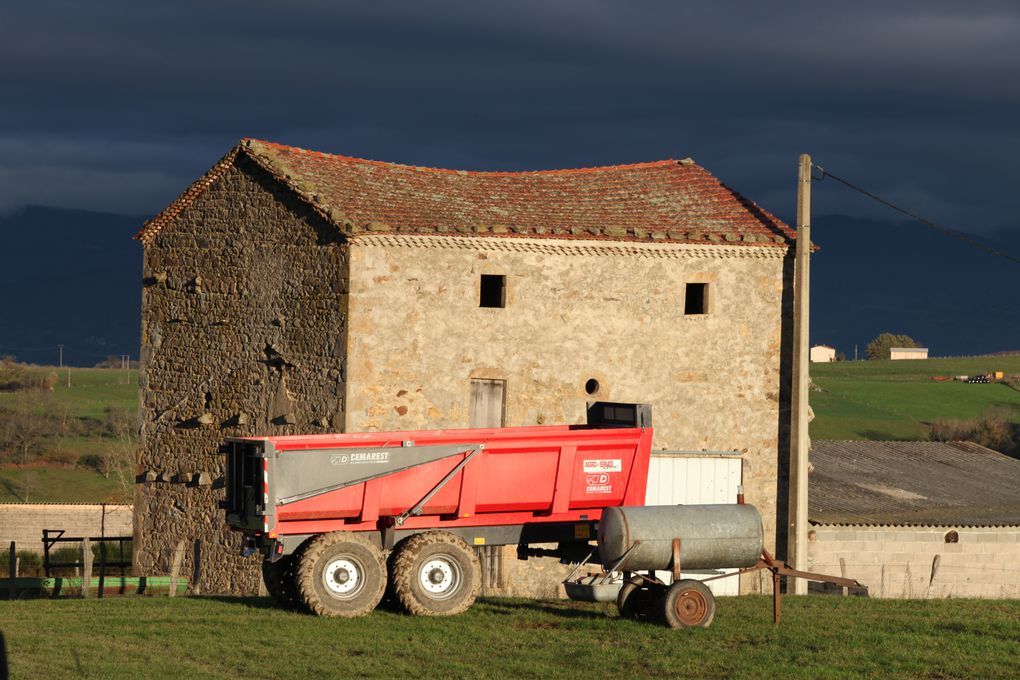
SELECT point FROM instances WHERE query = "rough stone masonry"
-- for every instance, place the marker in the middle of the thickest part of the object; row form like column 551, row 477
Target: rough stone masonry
column 294, row 292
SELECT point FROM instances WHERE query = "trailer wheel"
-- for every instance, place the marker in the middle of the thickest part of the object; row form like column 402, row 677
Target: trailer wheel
column 341, row 574
column 436, row 574
column 281, row 581
column 689, row 604
column 639, row 600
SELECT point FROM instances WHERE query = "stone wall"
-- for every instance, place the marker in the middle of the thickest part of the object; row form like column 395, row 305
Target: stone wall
column 243, row 331
column 577, row 311
column 24, row 522
column 921, row 562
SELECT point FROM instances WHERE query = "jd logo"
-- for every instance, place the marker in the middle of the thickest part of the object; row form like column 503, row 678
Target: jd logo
column 598, row 479
column 339, row 459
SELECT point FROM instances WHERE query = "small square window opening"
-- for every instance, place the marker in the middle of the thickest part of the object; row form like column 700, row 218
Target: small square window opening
column 493, row 291
column 696, row 299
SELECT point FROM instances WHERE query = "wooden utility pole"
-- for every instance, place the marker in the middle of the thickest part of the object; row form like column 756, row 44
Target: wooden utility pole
column 800, row 443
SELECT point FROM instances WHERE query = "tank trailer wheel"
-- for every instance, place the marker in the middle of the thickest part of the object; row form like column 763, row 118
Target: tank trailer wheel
column 436, row 574
column 281, row 581
column 689, row 604
column 341, row 574
column 639, row 600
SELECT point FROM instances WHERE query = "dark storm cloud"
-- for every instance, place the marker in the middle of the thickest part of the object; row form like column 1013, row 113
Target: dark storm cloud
column 117, row 106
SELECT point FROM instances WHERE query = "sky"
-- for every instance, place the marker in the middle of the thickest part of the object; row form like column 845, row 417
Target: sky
column 118, row 106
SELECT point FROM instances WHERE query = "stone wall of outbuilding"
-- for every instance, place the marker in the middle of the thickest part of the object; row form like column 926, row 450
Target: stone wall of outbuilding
column 244, row 311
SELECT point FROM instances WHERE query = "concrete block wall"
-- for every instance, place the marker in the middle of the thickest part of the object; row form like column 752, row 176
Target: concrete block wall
column 918, row 562
column 24, row 522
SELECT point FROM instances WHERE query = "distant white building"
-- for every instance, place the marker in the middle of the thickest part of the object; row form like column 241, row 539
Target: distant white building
column 907, row 352
column 823, row 353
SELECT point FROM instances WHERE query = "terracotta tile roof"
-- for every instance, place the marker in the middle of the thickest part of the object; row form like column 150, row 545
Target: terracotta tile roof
column 912, row 484
column 675, row 201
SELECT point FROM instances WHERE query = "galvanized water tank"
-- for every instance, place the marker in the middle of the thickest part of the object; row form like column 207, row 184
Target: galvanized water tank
column 711, row 536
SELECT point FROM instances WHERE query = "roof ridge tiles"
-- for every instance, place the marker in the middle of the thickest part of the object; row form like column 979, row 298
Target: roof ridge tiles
column 250, row 141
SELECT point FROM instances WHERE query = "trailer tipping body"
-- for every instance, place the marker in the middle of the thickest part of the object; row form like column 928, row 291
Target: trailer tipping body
column 492, row 485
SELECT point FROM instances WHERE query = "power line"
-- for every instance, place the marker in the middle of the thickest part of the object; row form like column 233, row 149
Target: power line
column 914, row 216
column 29, row 349
column 53, row 348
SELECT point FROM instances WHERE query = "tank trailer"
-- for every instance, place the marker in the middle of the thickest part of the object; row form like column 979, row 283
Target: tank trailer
column 342, row 520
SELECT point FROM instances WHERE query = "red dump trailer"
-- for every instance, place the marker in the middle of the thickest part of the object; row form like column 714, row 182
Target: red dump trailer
column 339, row 518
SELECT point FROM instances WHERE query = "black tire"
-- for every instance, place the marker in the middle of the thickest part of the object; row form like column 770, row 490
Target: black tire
column 639, row 600
column 436, row 574
column 341, row 574
column 281, row 581
column 688, row 604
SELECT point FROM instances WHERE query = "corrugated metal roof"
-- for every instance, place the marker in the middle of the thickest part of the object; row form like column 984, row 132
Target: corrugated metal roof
column 912, row 484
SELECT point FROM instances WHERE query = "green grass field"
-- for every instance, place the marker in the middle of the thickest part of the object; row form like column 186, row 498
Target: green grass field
column 852, row 400
column 897, row 399
column 820, row 637
column 91, row 392
column 47, row 484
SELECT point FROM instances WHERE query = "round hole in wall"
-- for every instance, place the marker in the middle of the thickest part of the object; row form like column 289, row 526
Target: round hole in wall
column 952, row 537
column 592, row 386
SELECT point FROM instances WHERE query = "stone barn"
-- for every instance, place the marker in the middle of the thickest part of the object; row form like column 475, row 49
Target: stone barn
column 291, row 291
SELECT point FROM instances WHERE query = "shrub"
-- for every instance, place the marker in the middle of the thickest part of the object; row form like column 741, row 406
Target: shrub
column 994, row 431
column 67, row 555
column 62, row 457
column 11, row 374
column 880, row 346
column 118, row 421
column 92, row 461
column 15, row 377
column 40, row 381
column 29, row 563
column 24, row 423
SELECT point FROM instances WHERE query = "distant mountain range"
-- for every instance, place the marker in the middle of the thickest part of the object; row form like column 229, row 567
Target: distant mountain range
column 871, row 277
column 69, row 277
column 73, row 277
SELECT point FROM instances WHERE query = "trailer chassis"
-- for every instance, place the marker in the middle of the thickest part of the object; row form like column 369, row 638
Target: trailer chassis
column 686, row 603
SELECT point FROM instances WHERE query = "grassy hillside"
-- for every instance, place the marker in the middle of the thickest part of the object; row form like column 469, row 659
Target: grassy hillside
column 78, row 428
column 90, row 392
column 898, row 399
column 220, row 637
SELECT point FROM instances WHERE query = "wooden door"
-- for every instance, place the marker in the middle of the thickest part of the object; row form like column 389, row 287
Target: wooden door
column 488, row 398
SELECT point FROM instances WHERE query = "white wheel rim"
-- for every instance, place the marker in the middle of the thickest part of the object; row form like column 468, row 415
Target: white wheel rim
column 342, row 577
column 440, row 576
